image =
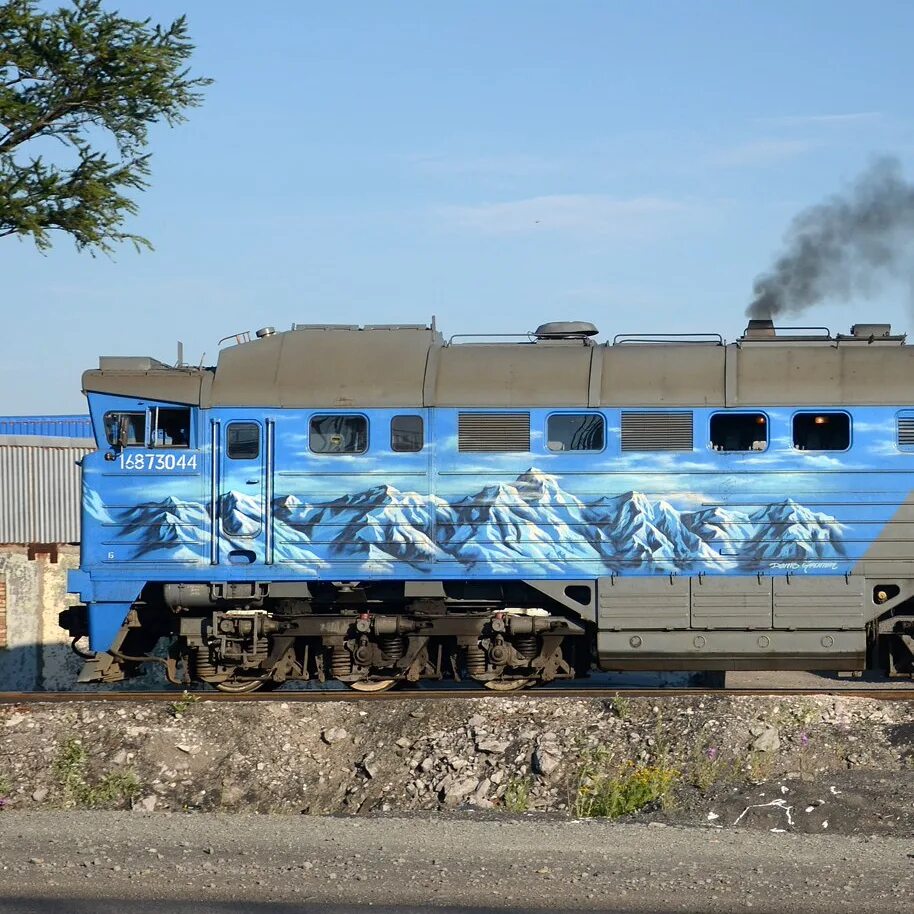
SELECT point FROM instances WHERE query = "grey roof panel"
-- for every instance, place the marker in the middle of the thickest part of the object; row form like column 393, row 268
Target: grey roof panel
column 410, row 367
column 667, row 374
column 511, row 374
column 171, row 385
column 845, row 374
column 342, row 368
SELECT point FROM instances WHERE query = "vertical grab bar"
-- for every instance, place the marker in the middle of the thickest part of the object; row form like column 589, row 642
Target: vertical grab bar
column 268, row 492
column 214, row 493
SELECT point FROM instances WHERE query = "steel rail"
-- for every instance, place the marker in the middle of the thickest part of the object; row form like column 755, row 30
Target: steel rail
column 902, row 693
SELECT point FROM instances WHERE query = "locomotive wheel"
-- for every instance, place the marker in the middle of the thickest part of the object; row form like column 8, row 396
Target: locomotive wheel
column 372, row 685
column 243, row 686
column 508, row 685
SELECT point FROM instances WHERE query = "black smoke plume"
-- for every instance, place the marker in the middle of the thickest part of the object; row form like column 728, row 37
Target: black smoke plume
column 843, row 248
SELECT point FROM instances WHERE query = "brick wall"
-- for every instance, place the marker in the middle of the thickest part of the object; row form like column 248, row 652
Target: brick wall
column 2, row 612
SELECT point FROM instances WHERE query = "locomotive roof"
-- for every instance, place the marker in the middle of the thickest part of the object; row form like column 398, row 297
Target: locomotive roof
column 414, row 366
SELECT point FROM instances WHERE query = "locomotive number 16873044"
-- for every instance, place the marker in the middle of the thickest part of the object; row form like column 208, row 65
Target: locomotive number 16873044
column 157, row 462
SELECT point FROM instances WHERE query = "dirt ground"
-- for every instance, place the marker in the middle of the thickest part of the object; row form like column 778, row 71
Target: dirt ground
column 836, row 765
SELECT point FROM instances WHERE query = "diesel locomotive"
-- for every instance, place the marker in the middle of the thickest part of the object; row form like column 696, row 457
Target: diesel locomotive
column 379, row 504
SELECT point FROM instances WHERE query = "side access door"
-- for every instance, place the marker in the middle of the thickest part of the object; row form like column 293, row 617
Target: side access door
column 240, row 493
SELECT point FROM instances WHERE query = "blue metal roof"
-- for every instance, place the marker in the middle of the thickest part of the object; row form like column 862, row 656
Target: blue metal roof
column 47, row 426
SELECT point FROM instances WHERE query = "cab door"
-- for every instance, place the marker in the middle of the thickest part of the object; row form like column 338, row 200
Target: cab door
column 242, row 493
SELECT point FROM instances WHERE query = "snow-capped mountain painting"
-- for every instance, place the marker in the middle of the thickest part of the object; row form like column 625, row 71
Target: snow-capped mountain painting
column 169, row 529
column 529, row 525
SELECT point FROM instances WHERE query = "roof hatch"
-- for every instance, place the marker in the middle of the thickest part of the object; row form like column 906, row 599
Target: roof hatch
column 565, row 330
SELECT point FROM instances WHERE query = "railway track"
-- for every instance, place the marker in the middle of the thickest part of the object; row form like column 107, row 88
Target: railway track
column 903, row 693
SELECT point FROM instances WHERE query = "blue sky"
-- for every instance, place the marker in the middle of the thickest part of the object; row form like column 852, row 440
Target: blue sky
column 497, row 164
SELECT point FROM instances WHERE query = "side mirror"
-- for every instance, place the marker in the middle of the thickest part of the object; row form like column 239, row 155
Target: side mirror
column 123, row 432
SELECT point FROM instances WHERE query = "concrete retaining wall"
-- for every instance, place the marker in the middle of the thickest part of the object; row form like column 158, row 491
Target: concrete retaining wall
column 36, row 653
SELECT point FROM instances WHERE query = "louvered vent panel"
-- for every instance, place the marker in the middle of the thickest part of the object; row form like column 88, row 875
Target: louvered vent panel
column 493, row 432
column 656, row 431
column 906, row 432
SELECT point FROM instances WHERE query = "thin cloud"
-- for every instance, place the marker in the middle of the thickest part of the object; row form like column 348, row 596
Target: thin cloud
column 594, row 213
column 761, row 152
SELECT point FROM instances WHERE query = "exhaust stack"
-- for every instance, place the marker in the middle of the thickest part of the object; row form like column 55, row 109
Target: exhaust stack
column 760, row 329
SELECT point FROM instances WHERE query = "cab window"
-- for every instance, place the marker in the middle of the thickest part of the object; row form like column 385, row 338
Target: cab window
column 171, row 427
column 126, row 428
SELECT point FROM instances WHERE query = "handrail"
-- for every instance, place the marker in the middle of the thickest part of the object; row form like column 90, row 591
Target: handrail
column 269, row 460
column 243, row 337
column 622, row 338
column 493, row 336
column 782, row 332
column 215, row 510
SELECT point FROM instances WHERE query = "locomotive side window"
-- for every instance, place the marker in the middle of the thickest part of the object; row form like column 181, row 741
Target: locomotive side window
column 822, row 431
column 739, row 432
column 407, row 434
column 575, row 432
column 171, row 428
column 127, row 429
column 243, row 441
column 338, row 434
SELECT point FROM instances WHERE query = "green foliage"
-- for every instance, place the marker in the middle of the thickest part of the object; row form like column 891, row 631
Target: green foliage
column 622, row 706
column 120, row 788
column 6, row 788
column 182, row 705
column 94, row 82
column 760, row 767
column 71, row 765
column 606, row 791
column 711, row 767
column 516, row 797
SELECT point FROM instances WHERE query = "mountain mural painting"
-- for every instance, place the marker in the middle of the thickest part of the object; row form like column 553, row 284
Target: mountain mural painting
column 530, row 520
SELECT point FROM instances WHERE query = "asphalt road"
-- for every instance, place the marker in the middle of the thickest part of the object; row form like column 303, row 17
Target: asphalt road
column 129, row 862
column 53, row 906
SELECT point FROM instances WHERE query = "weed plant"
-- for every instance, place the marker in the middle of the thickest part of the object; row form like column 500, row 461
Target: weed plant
column 516, row 797
column 605, row 790
column 116, row 789
column 182, row 705
column 712, row 767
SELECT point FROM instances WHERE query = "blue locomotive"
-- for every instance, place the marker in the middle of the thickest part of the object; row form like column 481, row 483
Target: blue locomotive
column 378, row 504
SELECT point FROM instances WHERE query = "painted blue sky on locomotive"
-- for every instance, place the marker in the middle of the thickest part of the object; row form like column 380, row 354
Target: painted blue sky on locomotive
column 427, row 505
column 390, row 513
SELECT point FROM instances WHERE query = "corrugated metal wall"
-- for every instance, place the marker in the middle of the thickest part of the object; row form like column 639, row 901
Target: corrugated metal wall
column 51, row 426
column 40, row 487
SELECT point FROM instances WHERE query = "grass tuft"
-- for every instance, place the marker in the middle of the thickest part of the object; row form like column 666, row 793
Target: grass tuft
column 607, row 791
column 622, row 706
column 712, row 767
column 116, row 789
column 516, row 797
column 182, row 705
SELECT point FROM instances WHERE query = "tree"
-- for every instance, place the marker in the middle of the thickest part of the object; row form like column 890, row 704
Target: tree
column 94, row 82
